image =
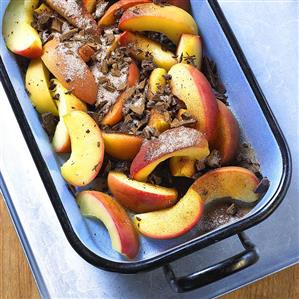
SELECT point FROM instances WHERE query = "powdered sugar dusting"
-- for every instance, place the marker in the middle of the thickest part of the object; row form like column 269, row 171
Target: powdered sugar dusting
column 173, row 140
column 104, row 95
column 72, row 10
column 74, row 67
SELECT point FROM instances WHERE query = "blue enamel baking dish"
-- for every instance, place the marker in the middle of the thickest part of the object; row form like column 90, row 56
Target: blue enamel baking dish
column 259, row 128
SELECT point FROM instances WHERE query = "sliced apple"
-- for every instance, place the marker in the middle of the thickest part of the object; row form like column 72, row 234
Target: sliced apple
column 109, row 17
column 172, row 222
column 115, row 113
column 191, row 86
column 156, row 81
column 90, row 5
column 18, row 34
column 159, row 121
column 87, row 149
column 43, row 8
column 66, row 104
column 189, row 49
column 122, row 146
column 86, row 52
column 69, row 68
column 182, row 166
column 231, row 181
column 228, row 134
column 180, row 141
column 138, row 196
column 170, row 20
column 234, row 182
column 142, row 46
column 37, row 84
column 75, row 12
column 123, row 236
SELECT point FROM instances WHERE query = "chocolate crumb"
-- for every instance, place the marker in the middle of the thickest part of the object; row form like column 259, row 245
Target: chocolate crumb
column 263, row 186
column 232, row 209
column 49, row 123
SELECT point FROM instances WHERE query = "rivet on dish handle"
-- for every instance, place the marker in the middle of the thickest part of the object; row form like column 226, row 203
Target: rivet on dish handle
column 215, row 272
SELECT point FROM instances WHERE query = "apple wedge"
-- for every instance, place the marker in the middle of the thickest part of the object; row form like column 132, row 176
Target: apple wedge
column 138, row 196
column 170, row 20
column 69, row 68
column 156, row 81
column 171, row 222
column 90, row 5
column 228, row 134
column 189, row 49
column 109, row 17
column 87, row 149
column 182, row 166
column 231, row 181
column 115, row 113
column 191, row 86
column 142, row 46
column 234, row 182
column 37, row 84
column 66, row 104
column 75, row 12
column 18, row 34
column 159, row 121
column 122, row 233
column 122, row 146
column 180, row 141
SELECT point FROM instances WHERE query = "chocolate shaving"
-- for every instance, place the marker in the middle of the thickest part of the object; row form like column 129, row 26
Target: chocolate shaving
column 213, row 160
column 56, row 25
column 67, row 35
column 49, row 123
column 263, row 186
column 232, row 209
column 246, row 158
column 72, row 189
column 210, row 71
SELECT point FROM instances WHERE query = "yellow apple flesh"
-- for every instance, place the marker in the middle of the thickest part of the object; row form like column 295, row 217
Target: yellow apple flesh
column 66, row 104
column 170, row 20
column 143, row 45
column 87, row 149
column 37, row 84
column 172, row 222
column 18, row 34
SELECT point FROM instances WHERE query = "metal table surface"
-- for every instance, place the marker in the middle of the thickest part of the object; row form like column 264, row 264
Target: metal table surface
column 268, row 34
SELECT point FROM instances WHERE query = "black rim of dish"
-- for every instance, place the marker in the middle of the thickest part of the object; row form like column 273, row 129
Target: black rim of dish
column 185, row 248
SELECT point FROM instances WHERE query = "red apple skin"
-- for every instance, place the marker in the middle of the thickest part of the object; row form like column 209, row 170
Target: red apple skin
column 109, row 19
column 133, row 75
column 141, row 199
column 230, row 181
column 228, row 134
column 150, row 155
column 210, row 104
column 129, row 243
column 202, row 105
column 33, row 52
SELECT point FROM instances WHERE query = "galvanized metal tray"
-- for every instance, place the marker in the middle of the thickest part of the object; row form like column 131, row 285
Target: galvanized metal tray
column 258, row 126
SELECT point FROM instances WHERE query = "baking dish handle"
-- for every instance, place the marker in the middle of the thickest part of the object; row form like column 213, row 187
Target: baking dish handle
column 215, row 272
